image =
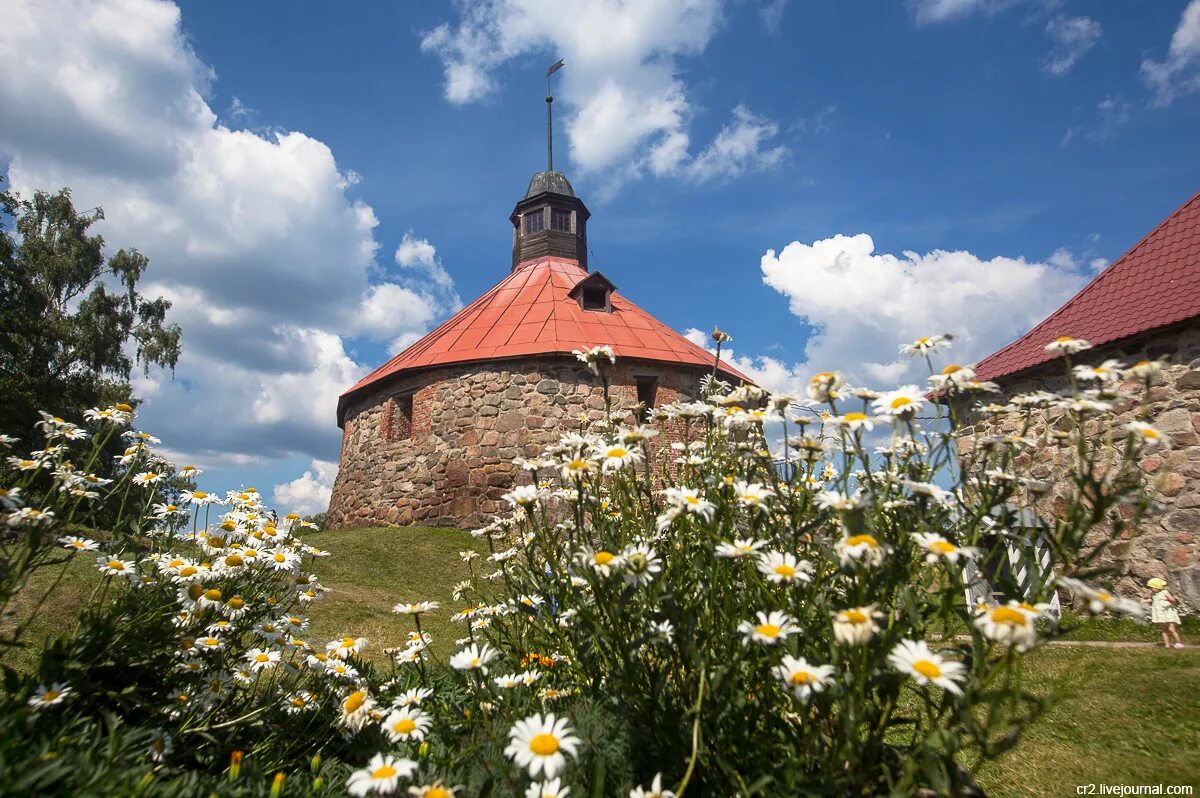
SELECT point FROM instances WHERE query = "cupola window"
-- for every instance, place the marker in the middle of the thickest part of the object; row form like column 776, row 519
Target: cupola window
column 560, row 220
column 535, row 222
column 594, row 297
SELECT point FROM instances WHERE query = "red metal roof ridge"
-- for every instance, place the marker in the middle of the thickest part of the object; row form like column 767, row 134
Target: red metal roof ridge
column 1041, row 356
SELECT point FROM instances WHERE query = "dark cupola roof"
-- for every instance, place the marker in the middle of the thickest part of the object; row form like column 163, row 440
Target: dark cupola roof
column 552, row 182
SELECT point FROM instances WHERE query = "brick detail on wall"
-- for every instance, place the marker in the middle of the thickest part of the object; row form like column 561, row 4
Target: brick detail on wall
column 469, row 422
column 1165, row 544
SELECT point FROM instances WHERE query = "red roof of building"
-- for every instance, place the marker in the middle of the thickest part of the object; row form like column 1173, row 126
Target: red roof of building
column 529, row 313
column 1155, row 284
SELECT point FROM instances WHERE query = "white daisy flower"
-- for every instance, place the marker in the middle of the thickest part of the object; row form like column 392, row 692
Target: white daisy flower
column 617, row 456
column 114, row 566
column 602, row 562
column 49, row 696
column 769, row 630
column 825, row 386
column 926, row 344
column 1145, row 433
column 742, row 547
column 161, row 745
column 864, row 549
column 261, row 659
column 345, row 647
column 751, row 494
column 381, row 775
column 1009, row 623
column 854, row 421
column 913, row 658
column 10, row 497
column 406, row 723
column 1108, row 370
column 938, row 548
column 901, row 402
column 641, row 564
column 78, row 544
column 1065, row 344
column 803, row 678
column 412, row 697
column 856, row 625
column 780, row 566
column 538, row 744
column 355, row 710
column 551, row 788
column 473, row 658
column 655, row 790
column 415, row 608
column 523, row 496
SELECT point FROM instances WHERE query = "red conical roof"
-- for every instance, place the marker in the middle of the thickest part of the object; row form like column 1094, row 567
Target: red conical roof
column 1153, row 285
column 529, row 312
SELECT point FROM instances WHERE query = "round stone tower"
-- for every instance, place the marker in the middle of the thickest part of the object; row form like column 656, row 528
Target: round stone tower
column 430, row 436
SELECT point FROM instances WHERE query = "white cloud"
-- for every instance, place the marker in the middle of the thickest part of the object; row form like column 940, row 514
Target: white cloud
column 928, row 12
column 629, row 113
column 1112, row 114
column 741, row 146
column 1179, row 74
column 863, row 304
column 771, row 15
column 1072, row 37
column 420, row 256
column 766, row 372
column 269, row 261
column 309, row 493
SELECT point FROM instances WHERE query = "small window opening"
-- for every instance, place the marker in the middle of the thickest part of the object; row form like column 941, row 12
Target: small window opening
column 594, row 297
column 560, row 220
column 535, row 222
column 401, row 418
column 647, row 391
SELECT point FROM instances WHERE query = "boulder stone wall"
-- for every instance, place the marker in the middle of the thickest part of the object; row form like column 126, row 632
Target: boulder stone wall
column 1164, row 544
column 436, row 448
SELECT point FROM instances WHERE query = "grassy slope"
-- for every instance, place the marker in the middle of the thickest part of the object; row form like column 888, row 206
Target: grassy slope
column 1125, row 716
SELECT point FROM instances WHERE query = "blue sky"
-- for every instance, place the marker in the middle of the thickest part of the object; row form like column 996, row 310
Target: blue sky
column 318, row 184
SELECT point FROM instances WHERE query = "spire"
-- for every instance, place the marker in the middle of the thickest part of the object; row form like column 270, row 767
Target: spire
column 557, row 65
column 550, row 220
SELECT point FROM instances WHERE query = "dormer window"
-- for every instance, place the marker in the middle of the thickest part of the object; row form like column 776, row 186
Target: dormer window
column 535, row 222
column 594, row 293
column 560, row 220
column 593, row 297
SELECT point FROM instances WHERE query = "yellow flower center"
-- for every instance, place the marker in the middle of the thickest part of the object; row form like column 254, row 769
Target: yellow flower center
column 404, row 725
column 212, row 594
column 785, row 570
column 855, row 416
column 1010, row 616
column 124, row 408
column 199, row 495
column 437, row 792
column 926, row 668
column 347, row 642
column 863, row 540
column 188, row 570
column 618, row 452
column 951, row 369
column 354, row 701
column 1149, row 432
column 900, row 401
column 1062, row 339
column 855, row 616
column 943, row 547
column 604, row 557
column 234, row 560
column 235, row 603
column 116, row 565
column 767, row 630
column 801, row 677
column 50, row 695
column 385, row 772
column 195, row 591
column 262, row 658
column 544, row 744
column 577, row 465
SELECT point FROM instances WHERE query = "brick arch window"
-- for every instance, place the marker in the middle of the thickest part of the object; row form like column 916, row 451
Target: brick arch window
column 398, row 418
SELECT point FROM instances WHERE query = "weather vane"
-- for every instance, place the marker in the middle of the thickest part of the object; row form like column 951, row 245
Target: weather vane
column 557, row 65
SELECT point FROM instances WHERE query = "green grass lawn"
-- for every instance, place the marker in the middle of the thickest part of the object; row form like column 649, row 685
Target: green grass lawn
column 1125, row 716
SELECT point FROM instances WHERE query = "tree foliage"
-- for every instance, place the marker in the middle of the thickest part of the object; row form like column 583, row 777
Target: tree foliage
column 72, row 324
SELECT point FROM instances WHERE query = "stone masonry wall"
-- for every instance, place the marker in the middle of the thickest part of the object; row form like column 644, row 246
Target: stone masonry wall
column 448, row 462
column 1165, row 544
